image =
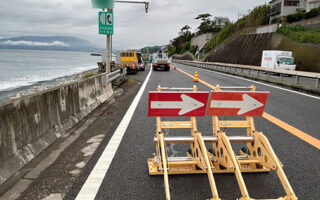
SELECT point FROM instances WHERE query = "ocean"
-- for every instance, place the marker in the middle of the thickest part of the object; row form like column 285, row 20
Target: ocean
column 21, row 70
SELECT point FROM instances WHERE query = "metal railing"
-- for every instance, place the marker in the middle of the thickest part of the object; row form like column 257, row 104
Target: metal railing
column 113, row 75
column 253, row 71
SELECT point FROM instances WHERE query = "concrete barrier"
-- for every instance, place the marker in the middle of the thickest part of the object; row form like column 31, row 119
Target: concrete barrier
column 28, row 125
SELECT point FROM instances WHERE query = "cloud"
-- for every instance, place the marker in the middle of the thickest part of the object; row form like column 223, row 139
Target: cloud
column 133, row 28
column 31, row 43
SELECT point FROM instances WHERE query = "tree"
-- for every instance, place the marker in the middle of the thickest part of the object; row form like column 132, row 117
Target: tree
column 206, row 25
column 185, row 28
column 203, row 17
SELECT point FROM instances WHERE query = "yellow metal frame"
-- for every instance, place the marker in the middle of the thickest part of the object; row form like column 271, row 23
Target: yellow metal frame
column 261, row 157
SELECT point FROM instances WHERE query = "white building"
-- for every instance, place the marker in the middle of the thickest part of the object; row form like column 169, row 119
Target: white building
column 221, row 21
column 281, row 8
column 310, row 4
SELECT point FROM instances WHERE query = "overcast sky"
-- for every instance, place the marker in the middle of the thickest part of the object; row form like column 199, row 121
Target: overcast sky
column 133, row 27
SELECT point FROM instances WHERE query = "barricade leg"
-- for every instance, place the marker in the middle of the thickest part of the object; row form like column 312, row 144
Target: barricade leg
column 245, row 195
column 263, row 152
column 164, row 165
column 200, row 146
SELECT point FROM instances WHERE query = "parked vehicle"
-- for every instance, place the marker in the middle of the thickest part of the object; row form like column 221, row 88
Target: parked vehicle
column 161, row 61
column 151, row 59
column 141, row 65
column 278, row 60
column 130, row 61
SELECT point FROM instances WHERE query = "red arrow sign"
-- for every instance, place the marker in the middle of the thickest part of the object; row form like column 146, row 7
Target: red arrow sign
column 177, row 103
column 237, row 103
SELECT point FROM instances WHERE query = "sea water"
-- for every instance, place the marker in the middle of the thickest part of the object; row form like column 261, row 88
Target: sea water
column 22, row 69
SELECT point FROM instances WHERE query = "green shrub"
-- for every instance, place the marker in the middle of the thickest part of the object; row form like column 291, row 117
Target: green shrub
column 300, row 34
column 185, row 47
column 275, row 20
column 193, row 49
column 313, row 13
column 295, row 17
column 89, row 74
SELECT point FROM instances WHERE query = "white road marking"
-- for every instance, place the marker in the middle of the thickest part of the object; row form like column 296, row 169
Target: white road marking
column 308, row 95
column 187, row 104
column 91, row 187
column 247, row 104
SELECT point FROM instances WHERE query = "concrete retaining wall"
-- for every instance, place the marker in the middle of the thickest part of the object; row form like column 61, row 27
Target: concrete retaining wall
column 201, row 40
column 267, row 28
column 247, row 50
column 28, row 125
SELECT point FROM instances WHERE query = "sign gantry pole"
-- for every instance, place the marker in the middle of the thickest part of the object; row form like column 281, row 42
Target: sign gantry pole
column 108, row 47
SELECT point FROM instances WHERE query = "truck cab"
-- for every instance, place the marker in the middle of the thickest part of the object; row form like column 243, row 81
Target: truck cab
column 286, row 62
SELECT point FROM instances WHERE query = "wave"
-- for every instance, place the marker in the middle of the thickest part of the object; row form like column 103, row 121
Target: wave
column 32, row 79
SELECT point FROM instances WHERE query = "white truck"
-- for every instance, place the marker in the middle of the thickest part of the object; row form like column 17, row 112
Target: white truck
column 161, row 61
column 278, row 60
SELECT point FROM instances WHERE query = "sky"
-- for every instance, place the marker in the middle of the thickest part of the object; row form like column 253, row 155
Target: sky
column 133, row 28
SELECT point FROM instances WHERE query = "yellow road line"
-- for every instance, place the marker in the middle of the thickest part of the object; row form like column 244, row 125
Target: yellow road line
column 201, row 81
column 298, row 133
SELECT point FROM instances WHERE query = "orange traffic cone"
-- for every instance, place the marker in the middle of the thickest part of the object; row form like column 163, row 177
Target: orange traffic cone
column 195, row 78
column 174, row 66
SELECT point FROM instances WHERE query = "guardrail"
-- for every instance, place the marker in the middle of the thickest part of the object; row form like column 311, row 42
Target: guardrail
column 113, row 75
column 253, row 71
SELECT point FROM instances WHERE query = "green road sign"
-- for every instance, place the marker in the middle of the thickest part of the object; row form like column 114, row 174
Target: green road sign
column 106, row 23
column 102, row 4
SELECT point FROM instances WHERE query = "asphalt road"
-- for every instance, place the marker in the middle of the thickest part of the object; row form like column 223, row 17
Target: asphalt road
column 128, row 178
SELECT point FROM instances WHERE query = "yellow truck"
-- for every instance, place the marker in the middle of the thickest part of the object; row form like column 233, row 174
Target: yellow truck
column 131, row 60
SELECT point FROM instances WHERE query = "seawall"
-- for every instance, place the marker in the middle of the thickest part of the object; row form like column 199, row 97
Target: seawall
column 28, row 125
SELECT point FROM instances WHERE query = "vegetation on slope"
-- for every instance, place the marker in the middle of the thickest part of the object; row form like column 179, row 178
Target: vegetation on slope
column 300, row 34
column 258, row 16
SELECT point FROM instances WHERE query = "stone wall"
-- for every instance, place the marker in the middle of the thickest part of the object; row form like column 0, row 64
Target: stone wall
column 28, row 125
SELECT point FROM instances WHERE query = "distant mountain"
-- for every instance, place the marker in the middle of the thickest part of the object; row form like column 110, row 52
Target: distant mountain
column 152, row 49
column 58, row 43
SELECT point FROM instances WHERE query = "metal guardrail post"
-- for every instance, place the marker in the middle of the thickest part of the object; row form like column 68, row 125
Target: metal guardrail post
column 297, row 79
column 249, row 72
column 281, row 77
column 317, row 82
column 268, row 76
column 258, row 73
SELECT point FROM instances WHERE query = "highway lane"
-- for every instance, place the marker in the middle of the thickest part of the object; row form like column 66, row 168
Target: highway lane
column 128, row 177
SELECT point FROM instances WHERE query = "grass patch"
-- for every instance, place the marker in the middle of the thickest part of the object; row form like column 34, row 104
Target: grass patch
column 131, row 81
column 89, row 74
column 300, row 34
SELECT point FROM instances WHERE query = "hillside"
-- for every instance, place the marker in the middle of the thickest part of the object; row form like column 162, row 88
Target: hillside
column 152, row 49
column 58, row 43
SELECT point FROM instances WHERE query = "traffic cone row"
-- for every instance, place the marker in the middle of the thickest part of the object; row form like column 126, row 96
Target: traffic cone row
column 195, row 78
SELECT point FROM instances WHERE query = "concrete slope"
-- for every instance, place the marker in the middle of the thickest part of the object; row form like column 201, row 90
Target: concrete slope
column 247, row 49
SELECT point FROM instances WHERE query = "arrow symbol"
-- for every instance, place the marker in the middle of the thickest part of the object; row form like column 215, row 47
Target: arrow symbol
column 247, row 104
column 187, row 104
